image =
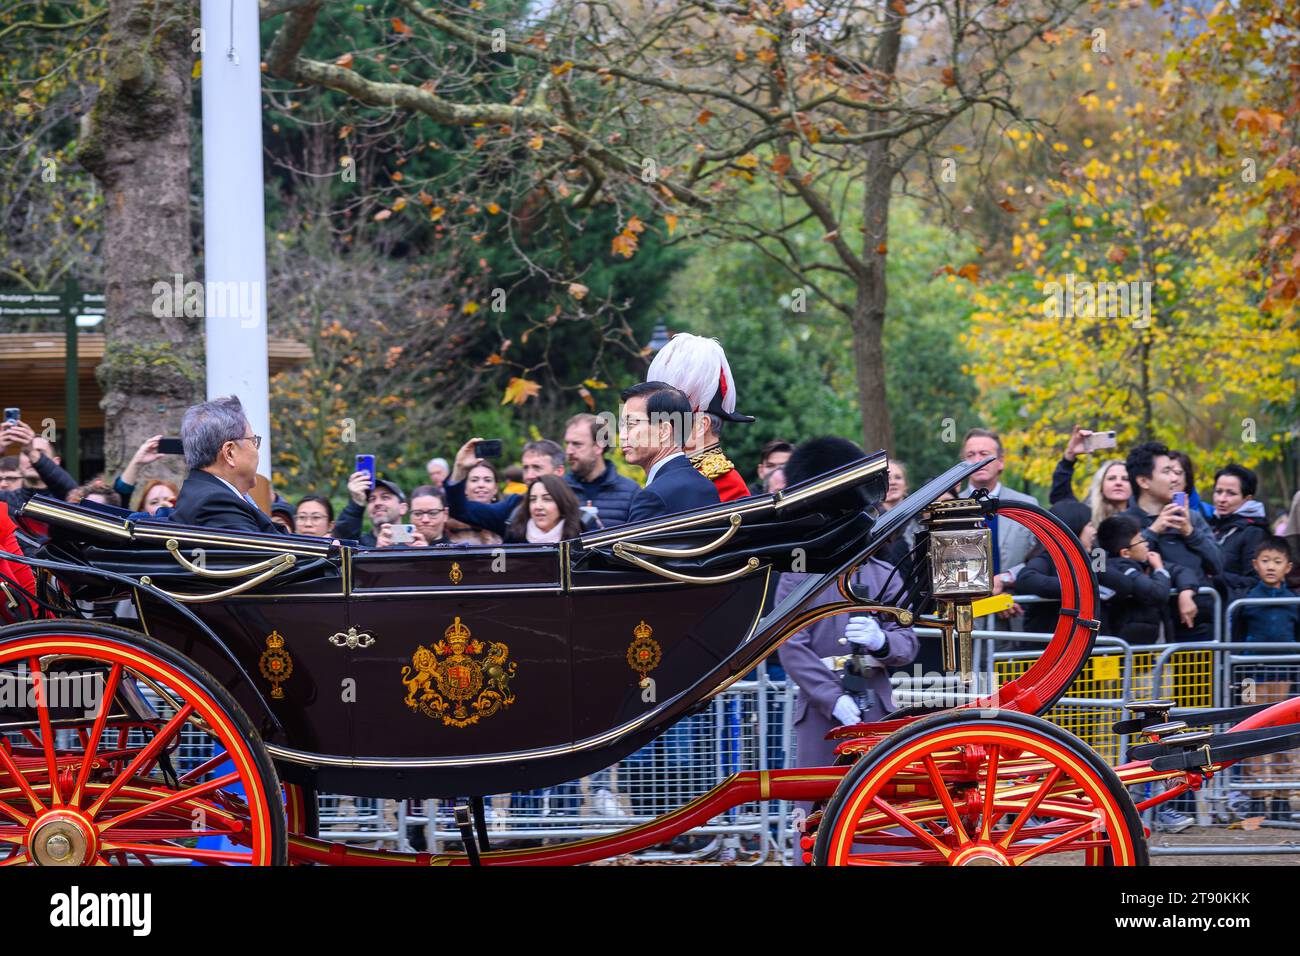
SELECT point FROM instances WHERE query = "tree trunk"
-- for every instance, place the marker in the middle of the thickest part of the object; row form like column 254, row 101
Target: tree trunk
column 869, row 303
column 137, row 144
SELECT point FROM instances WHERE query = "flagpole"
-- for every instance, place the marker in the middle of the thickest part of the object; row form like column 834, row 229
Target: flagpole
column 234, row 234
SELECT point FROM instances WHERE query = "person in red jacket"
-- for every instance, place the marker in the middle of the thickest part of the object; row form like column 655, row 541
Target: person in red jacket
column 698, row 366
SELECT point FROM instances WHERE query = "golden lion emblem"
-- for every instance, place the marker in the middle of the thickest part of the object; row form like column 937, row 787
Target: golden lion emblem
column 457, row 680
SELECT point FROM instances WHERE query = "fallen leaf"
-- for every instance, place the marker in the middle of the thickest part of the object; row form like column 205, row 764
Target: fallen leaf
column 536, row 142
column 672, row 222
column 344, row 61
column 586, row 397
column 704, row 117
column 563, row 68
column 436, row 213
column 400, row 204
column 948, row 77
column 1007, row 205
column 781, row 164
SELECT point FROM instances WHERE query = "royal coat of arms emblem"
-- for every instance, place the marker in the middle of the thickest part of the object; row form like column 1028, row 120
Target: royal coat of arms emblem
column 275, row 664
column 459, row 680
column 644, row 653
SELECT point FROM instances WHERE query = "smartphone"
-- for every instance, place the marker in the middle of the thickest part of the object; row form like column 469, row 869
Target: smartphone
column 170, row 446
column 13, row 414
column 403, row 533
column 1180, row 499
column 1098, row 440
column 367, row 463
column 488, row 449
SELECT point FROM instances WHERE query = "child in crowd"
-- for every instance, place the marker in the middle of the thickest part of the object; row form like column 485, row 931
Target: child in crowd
column 1139, row 581
column 1265, row 683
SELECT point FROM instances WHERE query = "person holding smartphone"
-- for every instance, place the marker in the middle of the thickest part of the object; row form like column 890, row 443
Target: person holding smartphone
column 1177, row 532
column 42, row 471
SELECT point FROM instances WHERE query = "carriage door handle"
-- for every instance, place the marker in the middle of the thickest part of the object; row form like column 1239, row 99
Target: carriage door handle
column 351, row 640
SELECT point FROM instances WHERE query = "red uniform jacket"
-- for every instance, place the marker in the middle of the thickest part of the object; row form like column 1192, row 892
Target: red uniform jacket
column 731, row 486
column 715, row 466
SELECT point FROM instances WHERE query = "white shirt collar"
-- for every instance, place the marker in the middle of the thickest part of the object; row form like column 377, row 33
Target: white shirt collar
column 650, row 476
column 229, row 485
column 993, row 492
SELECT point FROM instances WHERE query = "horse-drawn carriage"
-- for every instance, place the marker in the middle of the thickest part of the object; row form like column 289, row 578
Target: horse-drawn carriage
column 468, row 671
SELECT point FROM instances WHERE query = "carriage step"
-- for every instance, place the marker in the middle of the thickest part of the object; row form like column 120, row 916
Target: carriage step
column 1160, row 730
column 1153, row 706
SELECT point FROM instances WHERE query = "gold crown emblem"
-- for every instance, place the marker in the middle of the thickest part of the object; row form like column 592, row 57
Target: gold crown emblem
column 458, row 633
column 642, row 631
column 275, row 640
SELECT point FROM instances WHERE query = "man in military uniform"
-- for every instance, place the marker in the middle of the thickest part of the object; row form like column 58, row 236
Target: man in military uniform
column 698, row 367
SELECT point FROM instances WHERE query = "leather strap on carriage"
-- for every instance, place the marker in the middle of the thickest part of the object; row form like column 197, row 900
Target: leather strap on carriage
column 465, row 825
column 1219, row 748
column 1199, row 718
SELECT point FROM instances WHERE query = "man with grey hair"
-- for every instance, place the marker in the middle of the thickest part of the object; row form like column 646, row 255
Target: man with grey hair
column 221, row 451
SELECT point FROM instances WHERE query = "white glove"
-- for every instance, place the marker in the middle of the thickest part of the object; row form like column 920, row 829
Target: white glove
column 865, row 632
column 846, row 711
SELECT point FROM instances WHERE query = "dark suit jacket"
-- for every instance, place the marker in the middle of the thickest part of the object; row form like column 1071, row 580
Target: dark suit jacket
column 204, row 500
column 677, row 487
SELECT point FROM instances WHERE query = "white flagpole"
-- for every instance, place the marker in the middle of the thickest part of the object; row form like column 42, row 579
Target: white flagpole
column 234, row 231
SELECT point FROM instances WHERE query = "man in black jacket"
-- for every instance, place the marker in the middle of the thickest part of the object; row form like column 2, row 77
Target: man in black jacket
column 1177, row 532
column 221, row 450
column 655, row 419
column 1240, row 526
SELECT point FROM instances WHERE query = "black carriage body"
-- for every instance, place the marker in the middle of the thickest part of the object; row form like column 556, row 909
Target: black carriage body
column 461, row 671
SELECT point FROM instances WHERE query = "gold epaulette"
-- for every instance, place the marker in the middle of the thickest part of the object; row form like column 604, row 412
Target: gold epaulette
column 712, row 463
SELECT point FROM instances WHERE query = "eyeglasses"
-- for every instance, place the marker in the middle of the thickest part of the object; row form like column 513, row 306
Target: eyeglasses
column 430, row 513
column 255, row 439
column 11, row 477
column 1140, row 542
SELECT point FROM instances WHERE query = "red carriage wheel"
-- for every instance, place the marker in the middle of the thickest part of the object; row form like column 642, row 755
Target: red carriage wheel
column 156, row 763
column 983, row 787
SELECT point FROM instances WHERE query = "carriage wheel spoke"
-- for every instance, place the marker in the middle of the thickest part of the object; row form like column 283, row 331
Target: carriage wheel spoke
column 1056, row 842
column 945, row 798
column 171, row 728
column 47, row 730
column 910, row 825
column 20, row 779
column 14, row 813
column 168, row 801
column 210, row 764
column 92, row 745
column 990, row 788
column 17, row 859
column 1039, row 795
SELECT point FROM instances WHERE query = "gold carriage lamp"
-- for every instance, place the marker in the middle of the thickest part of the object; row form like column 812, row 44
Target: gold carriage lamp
column 961, row 563
column 961, row 571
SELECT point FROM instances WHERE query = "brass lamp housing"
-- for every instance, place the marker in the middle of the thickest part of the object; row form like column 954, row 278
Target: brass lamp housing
column 961, row 563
